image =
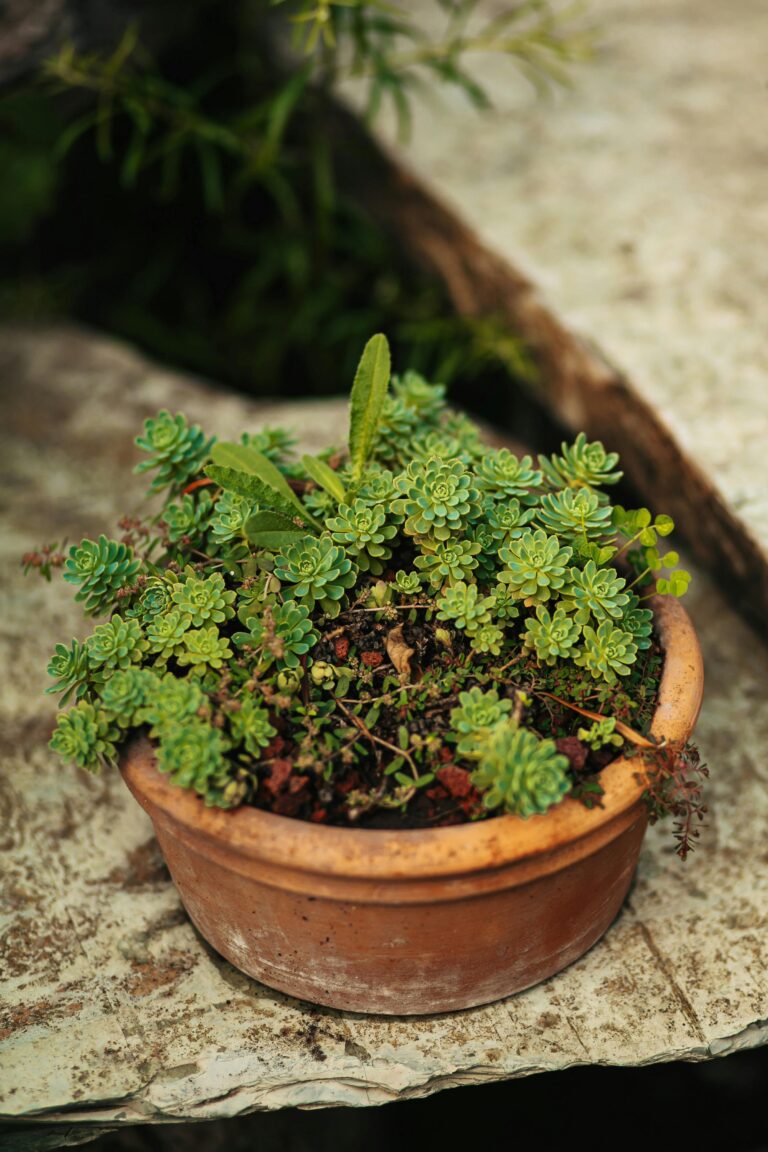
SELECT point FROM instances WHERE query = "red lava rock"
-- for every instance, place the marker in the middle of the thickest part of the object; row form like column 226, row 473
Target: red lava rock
column 341, row 647
column 279, row 774
column 319, row 816
column 274, row 748
column 445, row 755
column 455, row 780
column 372, row 659
column 573, row 748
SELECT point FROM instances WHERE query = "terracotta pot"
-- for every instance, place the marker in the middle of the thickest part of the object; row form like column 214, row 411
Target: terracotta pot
column 412, row 922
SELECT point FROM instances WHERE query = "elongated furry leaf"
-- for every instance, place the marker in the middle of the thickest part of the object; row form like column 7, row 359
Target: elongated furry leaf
column 276, row 541
column 251, row 487
column 245, row 458
column 319, row 471
column 368, row 394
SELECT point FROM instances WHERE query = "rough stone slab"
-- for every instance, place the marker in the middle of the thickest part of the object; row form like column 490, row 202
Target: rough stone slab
column 114, row 1009
column 621, row 228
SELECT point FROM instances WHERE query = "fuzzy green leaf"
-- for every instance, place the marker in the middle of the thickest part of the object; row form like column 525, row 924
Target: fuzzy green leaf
column 272, row 530
column 245, row 458
column 367, row 401
column 319, row 471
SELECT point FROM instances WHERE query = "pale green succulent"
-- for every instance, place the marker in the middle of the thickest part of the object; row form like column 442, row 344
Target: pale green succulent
column 582, row 464
column 478, row 712
column 116, row 644
column 594, row 592
column 519, row 772
column 101, row 567
column 282, row 634
column 153, row 601
column 507, row 519
column 171, row 701
column 438, row 498
column 464, row 607
column 250, row 726
column 407, row 583
column 427, row 400
column 601, row 734
column 316, row 571
column 607, row 652
column 552, row 637
column 504, row 474
column 534, row 566
column 364, row 533
column 230, row 515
column 193, row 755
column 165, row 634
column 125, row 693
column 85, row 736
column 69, row 665
column 188, row 518
column 204, row 601
column 446, row 561
column 177, row 451
column 488, row 638
column 204, row 648
column 575, row 515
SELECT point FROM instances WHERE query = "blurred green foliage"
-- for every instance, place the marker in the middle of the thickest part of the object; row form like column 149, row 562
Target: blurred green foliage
column 194, row 201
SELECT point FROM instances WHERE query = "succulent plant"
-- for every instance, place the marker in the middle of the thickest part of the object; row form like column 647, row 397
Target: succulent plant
column 464, row 607
column 575, row 515
column 282, row 634
column 189, row 518
column 69, row 666
column 204, row 600
column 551, row 636
column 116, row 644
column 534, row 566
column 101, row 567
column 606, row 652
column 337, row 605
column 229, row 518
column 165, row 634
column 203, row 648
column 193, row 755
column 316, row 572
column 177, row 451
column 250, row 726
column 407, row 583
column 363, row 532
column 447, row 561
column 519, row 772
column 582, row 464
column 502, row 473
column 85, row 736
column 438, row 498
column 478, row 712
column 594, row 592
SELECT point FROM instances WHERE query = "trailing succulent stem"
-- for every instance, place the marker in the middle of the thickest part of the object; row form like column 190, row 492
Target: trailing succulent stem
column 416, row 627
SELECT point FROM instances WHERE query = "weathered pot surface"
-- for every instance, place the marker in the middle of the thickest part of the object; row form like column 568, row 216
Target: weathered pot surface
column 418, row 921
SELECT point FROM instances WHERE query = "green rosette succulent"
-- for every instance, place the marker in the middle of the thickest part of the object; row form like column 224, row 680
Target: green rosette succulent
column 189, row 518
column 251, row 727
column 85, row 736
column 101, row 567
column 282, row 634
column 519, row 772
column 505, row 606
column 315, row 571
column 177, row 451
column 205, row 600
column 170, row 701
column 447, row 561
column 204, row 648
column 593, row 592
column 607, row 652
column 69, row 666
column 399, row 422
column 464, row 607
column 153, row 601
column 440, row 444
column 193, row 755
column 582, row 464
column 407, row 583
column 507, row 519
column 534, row 566
column 378, row 487
column 502, row 473
column 438, row 498
column 363, row 532
column 477, row 713
column 575, row 515
column 427, row 400
column 165, row 634
column 116, row 644
column 601, row 734
column 125, row 693
column 638, row 622
column 487, row 639
column 277, row 444
column 552, row 637
column 230, row 515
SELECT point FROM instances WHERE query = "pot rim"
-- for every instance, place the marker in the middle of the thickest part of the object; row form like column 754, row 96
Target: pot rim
column 387, row 854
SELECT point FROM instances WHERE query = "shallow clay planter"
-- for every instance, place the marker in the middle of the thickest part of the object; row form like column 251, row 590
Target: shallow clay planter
column 411, row 922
